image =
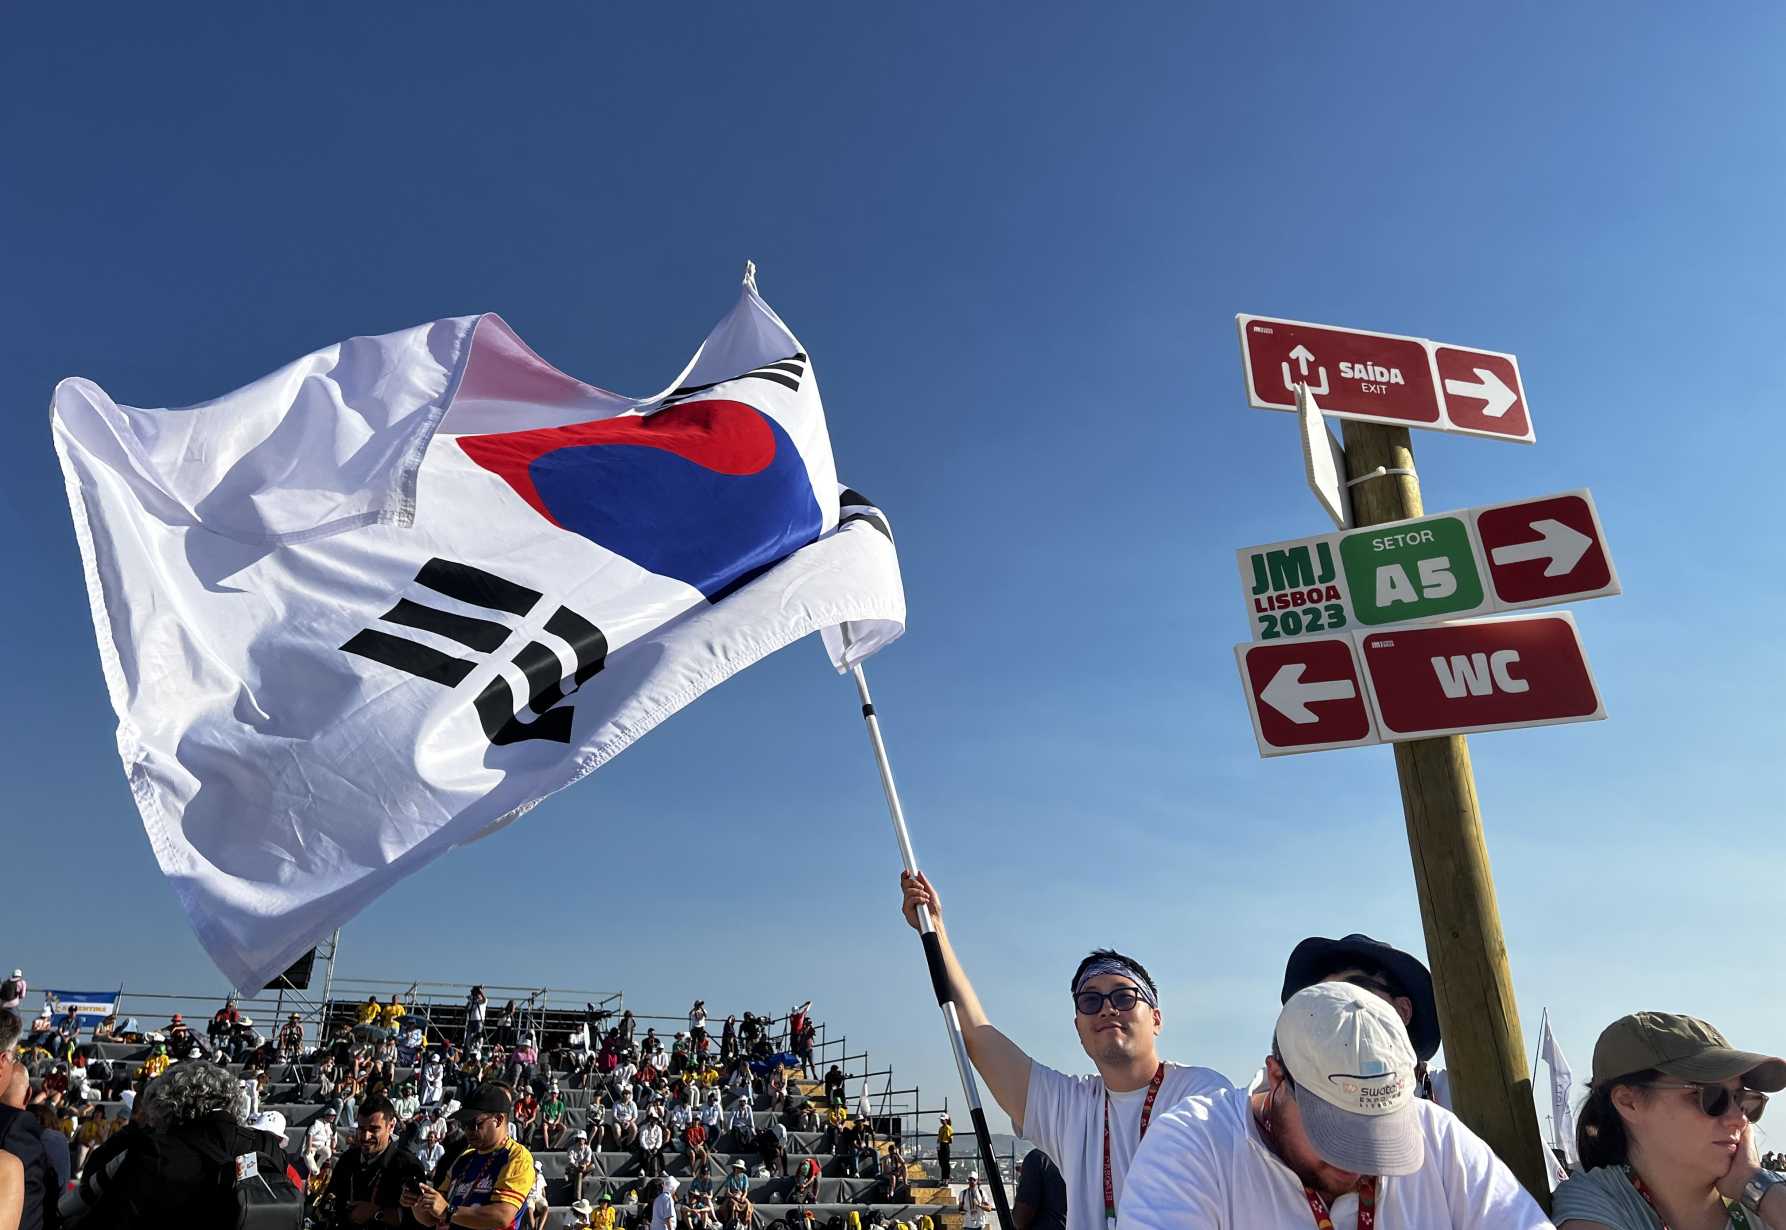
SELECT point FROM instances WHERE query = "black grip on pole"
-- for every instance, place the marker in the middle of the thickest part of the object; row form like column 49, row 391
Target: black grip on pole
column 989, row 1167
column 868, row 709
column 933, row 957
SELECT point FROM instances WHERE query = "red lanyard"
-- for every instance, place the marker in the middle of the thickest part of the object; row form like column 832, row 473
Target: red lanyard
column 1153, row 1091
column 1367, row 1205
column 1367, row 1189
column 1738, row 1218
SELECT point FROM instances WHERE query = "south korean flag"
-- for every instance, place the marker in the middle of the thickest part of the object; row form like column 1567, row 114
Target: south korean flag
column 385, row 599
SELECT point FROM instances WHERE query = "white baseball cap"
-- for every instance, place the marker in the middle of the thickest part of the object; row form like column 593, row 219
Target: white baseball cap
column 1352, row 1068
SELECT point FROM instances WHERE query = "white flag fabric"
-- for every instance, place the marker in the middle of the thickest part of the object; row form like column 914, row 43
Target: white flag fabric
column 1562, row 1109
column 380, row 602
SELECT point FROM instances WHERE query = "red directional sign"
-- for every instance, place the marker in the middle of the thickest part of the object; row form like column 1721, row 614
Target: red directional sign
column 1348, row 371
column 1383, row 377
column 1543, row 551
column 1305, row 695
column 1482, row 392
column 1492, row 674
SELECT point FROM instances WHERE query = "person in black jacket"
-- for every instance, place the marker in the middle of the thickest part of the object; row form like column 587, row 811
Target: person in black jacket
column 368, row 1179
column 179, row 1170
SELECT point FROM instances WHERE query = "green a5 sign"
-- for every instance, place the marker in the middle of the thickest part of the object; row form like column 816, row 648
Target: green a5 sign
column 1386, row 574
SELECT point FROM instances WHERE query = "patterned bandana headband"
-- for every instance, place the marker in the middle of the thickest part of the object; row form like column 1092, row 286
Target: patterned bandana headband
column 1116, row 965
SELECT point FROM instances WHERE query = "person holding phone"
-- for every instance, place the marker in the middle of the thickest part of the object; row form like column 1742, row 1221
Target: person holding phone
column 487, row 1186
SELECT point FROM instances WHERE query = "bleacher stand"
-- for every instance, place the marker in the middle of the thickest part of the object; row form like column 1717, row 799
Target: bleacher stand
column 728, row 1110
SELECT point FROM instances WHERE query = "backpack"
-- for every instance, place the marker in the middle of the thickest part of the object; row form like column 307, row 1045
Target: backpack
column 11, row 990
column 263, row 1194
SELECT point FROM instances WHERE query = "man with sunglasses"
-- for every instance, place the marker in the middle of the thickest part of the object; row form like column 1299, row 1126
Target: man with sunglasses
column 1335, row 1138
column 1089, row 1125
column 486, row 1186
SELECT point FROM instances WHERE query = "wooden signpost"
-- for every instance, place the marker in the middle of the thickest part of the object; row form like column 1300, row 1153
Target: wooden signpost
column 1319, row 693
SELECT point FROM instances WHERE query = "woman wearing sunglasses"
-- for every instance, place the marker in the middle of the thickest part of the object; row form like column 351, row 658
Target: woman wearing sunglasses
column 1665, row 1135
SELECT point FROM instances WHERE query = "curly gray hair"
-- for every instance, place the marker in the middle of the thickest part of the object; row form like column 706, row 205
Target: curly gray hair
column 190, row 1090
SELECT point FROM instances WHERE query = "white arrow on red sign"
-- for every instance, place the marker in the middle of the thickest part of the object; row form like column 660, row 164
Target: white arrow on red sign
column 1560, row 547
column 1306, row 695
column 1551, row 549
column 1489, row 388
column 1384, row 377
column 1290, row 696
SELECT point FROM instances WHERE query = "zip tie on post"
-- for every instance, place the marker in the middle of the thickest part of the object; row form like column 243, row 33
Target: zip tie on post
column 1380, row 472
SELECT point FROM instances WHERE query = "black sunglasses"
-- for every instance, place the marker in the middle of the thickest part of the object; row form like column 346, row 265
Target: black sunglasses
column 1715, row 1100
column 1090, row 1003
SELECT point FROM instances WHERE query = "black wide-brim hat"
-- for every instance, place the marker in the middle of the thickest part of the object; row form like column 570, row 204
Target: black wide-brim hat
column 1318, row 956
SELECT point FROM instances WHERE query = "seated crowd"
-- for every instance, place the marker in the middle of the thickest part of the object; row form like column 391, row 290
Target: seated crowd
column 405, row 1109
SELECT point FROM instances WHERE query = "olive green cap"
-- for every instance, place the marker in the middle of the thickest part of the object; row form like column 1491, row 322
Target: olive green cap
column 1683, row 1047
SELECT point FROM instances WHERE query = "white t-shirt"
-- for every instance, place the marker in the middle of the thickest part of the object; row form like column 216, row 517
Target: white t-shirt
column 1205, row 1164
column 1065, row 1117
column 973, row 1217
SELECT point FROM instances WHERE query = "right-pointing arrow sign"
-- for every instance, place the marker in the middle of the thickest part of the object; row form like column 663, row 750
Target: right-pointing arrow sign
column 1544, row 551
column 1482, row 392
column 1488, row 388
column 1560, row 547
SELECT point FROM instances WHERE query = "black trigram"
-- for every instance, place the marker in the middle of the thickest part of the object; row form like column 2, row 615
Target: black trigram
column 852, row 505
column 496, row 703
column 788, row 373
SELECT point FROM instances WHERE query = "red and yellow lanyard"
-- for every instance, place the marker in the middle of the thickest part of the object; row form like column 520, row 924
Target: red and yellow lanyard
column 1367, row 1205
column 1153, row 1091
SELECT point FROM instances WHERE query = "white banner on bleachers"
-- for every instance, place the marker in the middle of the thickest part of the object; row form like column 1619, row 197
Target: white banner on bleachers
column 382, row 601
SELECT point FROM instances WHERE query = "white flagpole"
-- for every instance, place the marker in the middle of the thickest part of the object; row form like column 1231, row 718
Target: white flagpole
column 933, row 956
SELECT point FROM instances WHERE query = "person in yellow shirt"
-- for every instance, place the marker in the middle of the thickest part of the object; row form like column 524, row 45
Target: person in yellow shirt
column 495, row 1175
column 155, row 1064
column 90, row 1134
column 392, row 1016
column 369, row 1011
column 945, row 1137
column 603, row 1217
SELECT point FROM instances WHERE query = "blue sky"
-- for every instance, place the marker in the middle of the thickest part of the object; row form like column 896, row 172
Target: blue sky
column 1014, row 240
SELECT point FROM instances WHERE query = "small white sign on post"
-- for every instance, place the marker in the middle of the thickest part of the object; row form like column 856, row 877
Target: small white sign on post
column 1323, row 461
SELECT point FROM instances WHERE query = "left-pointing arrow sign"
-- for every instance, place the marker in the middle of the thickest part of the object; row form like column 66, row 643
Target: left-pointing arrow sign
column 1291, row 697
column 1305, row 695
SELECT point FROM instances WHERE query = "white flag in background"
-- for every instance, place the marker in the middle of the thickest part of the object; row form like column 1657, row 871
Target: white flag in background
column 1562, row 1110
